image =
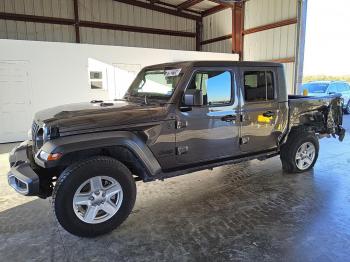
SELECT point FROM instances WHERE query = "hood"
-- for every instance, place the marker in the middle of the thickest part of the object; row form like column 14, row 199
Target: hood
column 99, row 116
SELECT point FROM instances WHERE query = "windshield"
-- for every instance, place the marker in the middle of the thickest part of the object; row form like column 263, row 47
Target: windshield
column 155, row 83
column 316, row 87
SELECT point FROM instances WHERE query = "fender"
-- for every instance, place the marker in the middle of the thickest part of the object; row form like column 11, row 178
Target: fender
column 84, row 142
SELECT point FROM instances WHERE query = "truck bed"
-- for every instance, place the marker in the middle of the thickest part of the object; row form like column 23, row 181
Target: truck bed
column 321, row 114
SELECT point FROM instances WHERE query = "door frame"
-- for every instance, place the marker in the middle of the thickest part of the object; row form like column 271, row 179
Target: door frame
column 274, row 102
column 234, row 103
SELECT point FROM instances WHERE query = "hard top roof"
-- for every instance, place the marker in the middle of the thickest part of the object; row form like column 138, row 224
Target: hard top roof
column 203, row 63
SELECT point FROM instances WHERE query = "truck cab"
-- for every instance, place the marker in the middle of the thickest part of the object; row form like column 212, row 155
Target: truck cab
column 224, row 111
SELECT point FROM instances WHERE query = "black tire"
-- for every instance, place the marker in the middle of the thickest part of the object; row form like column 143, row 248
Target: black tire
column 289, row 150
column 76, row 174
column 347, row 108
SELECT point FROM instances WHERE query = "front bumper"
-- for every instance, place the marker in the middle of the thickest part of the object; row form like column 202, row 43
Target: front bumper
column 22, row 177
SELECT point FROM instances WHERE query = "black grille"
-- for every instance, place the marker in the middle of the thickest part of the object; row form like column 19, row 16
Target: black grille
column 35, row 128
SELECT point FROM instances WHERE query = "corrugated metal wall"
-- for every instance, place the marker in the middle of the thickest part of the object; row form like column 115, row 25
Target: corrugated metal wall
column 272, row 44
column 114, row 12
column 216, row 25
column 100, row 11
column 37, row 31
column 259, row 12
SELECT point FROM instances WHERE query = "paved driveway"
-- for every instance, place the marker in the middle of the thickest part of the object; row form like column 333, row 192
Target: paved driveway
column 249, row 212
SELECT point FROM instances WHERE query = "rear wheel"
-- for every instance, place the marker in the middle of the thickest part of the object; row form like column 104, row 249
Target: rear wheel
column 300, row 152
column 94, row 196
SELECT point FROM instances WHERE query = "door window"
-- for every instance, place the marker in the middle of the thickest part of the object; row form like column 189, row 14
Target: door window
column 216, row 86
column 258, row 86
column 332, row 88
column 344, row 87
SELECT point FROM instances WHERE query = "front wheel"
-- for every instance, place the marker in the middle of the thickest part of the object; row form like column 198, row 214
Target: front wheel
column 300, row 152
column 94, row 196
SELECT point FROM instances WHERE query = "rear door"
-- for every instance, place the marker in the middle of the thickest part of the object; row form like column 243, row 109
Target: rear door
column 259, row 109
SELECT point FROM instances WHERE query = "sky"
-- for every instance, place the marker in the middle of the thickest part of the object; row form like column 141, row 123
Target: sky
column 327, row 44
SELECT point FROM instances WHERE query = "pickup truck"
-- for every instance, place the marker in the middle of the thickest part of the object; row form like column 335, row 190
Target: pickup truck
column 174, row 119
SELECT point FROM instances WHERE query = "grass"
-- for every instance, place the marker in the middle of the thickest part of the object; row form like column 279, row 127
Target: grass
column 325, row 77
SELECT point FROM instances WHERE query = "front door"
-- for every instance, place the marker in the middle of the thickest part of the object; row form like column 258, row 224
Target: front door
column 259, row 109
column 209, row 132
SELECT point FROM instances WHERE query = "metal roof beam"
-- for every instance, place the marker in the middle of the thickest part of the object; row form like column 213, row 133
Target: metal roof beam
column 136, row 29
column 214, row 10
column 158, row 2
column 188, row 4
column 270, row 26
column 216, row 39
column 223, row 3
column 159, row 9
column 92, row 24
column 37, row 19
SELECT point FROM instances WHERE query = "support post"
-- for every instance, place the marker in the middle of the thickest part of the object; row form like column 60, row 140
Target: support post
column 76, row 21
column 299, row 57
column 198, row 35
column 237, row 29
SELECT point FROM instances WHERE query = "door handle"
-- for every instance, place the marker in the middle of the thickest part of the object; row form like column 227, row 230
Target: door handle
column 268, row 114
column 229, row 118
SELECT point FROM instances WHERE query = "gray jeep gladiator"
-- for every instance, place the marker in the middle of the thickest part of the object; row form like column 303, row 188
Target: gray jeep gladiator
column 174, row 119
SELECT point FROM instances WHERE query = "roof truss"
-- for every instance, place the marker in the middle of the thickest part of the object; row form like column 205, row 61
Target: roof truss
column 182, row 10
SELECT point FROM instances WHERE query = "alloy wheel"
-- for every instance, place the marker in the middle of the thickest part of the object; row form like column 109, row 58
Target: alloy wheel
column 97, row 199
column 305, row 155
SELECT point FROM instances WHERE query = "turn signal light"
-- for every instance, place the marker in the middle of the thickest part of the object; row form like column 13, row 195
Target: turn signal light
column 55, row 156
column 50, row 157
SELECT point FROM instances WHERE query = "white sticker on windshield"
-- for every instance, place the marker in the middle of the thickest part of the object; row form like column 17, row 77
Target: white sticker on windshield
column 172, row 72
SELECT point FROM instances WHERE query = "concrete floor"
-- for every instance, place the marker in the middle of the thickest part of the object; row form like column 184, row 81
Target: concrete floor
column 249, row 212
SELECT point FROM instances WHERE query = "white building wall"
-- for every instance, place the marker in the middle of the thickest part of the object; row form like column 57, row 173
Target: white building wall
column 58, row 73
column 107, row 11
column 272, row 44
column 216, row 25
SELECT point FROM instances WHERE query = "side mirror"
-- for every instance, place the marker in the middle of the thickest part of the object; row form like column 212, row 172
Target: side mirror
column 331, row 93
column 193, row 97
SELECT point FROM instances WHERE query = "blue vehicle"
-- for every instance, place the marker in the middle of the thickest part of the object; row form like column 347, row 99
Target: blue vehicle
column 324, row 88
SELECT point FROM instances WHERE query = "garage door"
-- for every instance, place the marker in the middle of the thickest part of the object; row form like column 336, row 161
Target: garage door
column 14, row 101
